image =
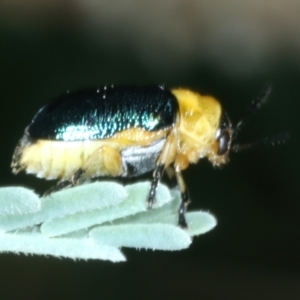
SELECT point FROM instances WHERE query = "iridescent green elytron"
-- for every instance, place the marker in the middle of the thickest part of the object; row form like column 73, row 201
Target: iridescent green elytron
column 93, row 114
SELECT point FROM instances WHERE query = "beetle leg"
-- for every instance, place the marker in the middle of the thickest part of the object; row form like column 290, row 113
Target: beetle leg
column 64, row 183
column 105, row 161
column 59, row 186
column 77, row 176
column 165, row 158
column 157, row 174
column 185, row 200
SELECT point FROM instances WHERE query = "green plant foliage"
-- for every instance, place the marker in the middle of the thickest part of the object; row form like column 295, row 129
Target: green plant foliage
column 93, row 221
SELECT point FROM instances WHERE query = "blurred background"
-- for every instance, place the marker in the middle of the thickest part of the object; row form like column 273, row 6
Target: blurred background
column 228, row 49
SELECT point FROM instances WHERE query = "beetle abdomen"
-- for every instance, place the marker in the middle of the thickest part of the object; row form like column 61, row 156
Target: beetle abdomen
column 53, row 159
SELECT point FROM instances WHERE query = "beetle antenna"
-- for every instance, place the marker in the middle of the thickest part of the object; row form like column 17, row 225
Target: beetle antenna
column 253, row 108
column 267, row 141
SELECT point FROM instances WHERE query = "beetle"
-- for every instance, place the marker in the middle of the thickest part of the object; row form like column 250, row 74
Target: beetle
column 125, row 131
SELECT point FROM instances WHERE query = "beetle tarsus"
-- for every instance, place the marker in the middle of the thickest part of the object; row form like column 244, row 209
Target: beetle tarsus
column 77, row 176
column 157, row 174
column 185, row 200
column 181, row 216
column 66, row 183
column 59, row 186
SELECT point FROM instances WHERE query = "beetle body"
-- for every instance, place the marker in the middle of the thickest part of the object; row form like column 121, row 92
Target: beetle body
column 124, row 131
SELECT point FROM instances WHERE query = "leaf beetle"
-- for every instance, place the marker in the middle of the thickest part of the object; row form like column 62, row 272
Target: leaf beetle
column 126, row 131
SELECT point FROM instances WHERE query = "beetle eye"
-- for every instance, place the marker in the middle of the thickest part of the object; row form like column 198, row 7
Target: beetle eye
column 224, row 142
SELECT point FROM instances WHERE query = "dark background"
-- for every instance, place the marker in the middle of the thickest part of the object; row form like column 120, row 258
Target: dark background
column 229, row 51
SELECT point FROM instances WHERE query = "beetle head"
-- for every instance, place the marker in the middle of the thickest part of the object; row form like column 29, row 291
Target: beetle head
column 226, row 134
